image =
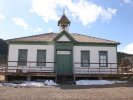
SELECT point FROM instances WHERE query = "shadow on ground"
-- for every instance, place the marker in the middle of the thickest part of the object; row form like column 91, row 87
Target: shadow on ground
column 128, row 84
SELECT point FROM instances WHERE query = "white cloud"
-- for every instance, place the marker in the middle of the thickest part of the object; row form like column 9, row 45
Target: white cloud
column 20, row 22
column 107, row 14
column 45, row 9
column 2, row 17
column 128, row 1
column 129, row 48
column 83, row 10
column 50, row 29
column 88, row 12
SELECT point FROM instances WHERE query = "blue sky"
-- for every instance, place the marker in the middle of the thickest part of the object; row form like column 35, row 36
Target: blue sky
column 109, row 19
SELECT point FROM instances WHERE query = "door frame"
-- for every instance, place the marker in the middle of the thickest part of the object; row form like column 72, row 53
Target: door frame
column 64, row 70
column 63, row 47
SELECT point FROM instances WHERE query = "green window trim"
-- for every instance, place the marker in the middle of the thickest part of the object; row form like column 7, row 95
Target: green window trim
column 103, row 58
column 22, row 57
column 41, row 57
column 85, row 58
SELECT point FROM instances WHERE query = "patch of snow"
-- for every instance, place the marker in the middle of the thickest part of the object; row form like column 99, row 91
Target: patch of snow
column 45, row 83
column 10, row 84
column 30, row 84
column 97, row 82
column 50, row 82
column 1, row 84
column 119, row 82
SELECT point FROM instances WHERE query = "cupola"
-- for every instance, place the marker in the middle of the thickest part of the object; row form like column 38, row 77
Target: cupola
column 64, row 23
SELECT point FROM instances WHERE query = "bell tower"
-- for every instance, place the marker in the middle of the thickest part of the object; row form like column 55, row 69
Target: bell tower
column 64, row 23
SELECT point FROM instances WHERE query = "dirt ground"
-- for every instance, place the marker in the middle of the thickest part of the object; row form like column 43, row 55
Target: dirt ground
column 122, row 91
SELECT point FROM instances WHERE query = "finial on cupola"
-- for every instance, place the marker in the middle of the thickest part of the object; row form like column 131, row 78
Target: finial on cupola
column 64, row 22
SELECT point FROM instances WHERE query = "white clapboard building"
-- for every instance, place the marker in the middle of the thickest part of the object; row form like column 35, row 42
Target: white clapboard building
column 62, row 54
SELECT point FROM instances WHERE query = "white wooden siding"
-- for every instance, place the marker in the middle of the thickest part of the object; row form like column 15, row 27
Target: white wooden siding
column 63, row 38
column 94, row 58
column 32, row 54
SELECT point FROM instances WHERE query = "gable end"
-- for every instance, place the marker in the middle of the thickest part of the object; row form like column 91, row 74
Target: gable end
column 64, row 36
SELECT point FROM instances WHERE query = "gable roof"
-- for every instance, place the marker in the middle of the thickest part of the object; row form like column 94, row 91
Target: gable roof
column 64, row 32
column 90, row 39
column 35, row 38
column 49, row 37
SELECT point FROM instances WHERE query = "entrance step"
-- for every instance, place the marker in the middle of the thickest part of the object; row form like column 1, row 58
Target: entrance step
column 65, row 80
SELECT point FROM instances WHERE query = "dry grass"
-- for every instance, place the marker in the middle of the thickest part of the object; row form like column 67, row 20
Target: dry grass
column 69, row 92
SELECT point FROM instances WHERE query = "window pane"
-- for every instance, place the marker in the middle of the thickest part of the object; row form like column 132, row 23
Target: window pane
column 85, row 58
column 22, row 57
column 103, row 58
column 41, row 57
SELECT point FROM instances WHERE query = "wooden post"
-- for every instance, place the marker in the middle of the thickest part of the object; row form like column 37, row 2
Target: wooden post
column 74, row 78
column 29, row 66
column 28, row 78
column 111, row 68
column 117, row 67
column 132, row 69
column 99, row 69
column 88, row 70
column 6, row 71
column 55, row 70
column 17, row 68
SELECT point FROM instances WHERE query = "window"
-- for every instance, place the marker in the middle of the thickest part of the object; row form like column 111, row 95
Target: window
column 85, row 58
column 103, row 60
column 22, row 57
column 41, row 57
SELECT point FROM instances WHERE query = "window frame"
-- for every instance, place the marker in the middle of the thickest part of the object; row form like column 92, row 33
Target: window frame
column 88, row 64
column 22, row 62
column 106, row 60
column 37, row 59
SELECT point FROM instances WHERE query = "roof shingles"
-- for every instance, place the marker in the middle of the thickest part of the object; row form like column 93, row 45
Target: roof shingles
column 51, row 36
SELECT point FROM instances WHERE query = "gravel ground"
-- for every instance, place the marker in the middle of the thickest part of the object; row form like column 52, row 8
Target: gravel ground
column 122, row 91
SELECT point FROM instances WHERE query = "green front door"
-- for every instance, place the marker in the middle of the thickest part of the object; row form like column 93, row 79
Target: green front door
column 64, row 63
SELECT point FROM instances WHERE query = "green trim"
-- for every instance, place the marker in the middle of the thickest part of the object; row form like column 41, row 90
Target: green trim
column 106, row 59
column 94, row 44
column 24, row 61
column 72, row 59
column 31, row 42
column 64, row 63
column 63, row 43
column 55, row 64
column 66, row 34
column 59, row 47
column 64, row 47
column 82, row 64
column 117, row 59
column 116, row 55
column 37, row 58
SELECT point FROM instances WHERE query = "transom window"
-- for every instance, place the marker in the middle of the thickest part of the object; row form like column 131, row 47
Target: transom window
column 22, row 57
column 103, row 59
column 41, row 57
column 85, row 58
